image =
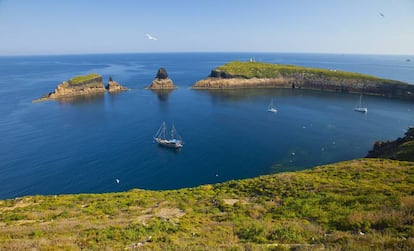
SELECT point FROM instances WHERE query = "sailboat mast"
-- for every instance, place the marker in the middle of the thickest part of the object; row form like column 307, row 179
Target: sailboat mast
column 172, row 132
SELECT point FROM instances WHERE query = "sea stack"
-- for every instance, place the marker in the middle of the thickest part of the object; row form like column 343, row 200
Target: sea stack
column 161, row 81
column 78, row 86
column 114, row 86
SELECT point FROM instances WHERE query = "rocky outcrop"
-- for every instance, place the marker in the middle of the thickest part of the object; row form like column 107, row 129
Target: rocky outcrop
column 86, row 85
column 399, row 149
column 81, row 85
column 114, row 86
column 260, row 75
column 161, row 81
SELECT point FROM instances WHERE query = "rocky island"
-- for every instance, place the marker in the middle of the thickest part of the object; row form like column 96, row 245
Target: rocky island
column 85, row 85
column 114, row 86
column 265, row 75
column 161, row 81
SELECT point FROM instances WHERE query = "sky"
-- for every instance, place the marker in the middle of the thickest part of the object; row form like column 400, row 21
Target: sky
column 32, row 27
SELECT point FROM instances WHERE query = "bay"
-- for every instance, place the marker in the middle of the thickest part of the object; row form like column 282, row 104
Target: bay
column 84, row 145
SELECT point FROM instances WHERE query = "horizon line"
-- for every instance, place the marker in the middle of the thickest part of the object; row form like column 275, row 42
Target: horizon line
column 206, row 52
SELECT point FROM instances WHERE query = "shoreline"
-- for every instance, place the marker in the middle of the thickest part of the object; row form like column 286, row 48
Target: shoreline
column 241, row 75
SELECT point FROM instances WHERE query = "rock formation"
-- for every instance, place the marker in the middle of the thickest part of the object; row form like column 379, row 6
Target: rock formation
column 114, row 86
column 262, row 75
column 87, row 85
column 399, row 149
column 161, row 81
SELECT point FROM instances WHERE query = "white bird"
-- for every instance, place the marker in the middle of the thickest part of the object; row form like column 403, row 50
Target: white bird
column 151, row 37
column 117, row 181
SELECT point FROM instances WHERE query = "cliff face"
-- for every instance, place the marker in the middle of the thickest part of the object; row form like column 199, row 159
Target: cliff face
column 161, row 81
column 228, row 83
column 261, row 75
column 81, row 85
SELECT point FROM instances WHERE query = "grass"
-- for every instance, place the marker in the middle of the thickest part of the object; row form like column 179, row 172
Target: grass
column 80, row 79
column 363, row 204
column 326, row 207
column 266, row 70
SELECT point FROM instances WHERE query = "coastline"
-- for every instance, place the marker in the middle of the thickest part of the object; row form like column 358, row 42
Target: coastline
column 239, row 75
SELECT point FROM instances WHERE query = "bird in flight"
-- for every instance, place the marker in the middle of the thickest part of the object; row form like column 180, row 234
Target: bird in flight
column 151, row 37
column 381, row 14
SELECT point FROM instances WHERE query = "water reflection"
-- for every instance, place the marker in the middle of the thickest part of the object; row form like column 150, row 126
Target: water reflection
column 162, row 94
column 248, row 94
column 84, row 99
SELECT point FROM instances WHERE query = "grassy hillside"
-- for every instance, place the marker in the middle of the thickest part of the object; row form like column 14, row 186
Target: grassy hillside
column 266, row 70
column 365, row 204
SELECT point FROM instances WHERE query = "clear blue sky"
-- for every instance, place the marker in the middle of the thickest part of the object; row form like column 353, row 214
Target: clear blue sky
column 110, row 26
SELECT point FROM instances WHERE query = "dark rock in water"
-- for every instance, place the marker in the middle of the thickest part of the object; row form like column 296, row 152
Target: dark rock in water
column 162, row 73
column 161, row 81
column 114, row 86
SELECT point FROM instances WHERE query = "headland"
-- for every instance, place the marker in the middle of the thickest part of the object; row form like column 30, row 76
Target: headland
column 235, row 75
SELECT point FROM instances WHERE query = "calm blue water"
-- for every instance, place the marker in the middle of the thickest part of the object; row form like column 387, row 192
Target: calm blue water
column 84, row 145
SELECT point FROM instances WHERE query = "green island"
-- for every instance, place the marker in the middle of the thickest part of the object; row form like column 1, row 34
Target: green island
column 362, row 204
column 238, row 74
column 83, row 85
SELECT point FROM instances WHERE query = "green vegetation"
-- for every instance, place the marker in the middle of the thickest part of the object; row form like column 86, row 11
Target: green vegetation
column 266, row 70
column 364, row 204
column 80, row 79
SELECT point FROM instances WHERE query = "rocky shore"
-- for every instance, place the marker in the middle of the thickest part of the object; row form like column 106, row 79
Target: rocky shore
column 399, row 149
column 263, row 75
column 86, row 85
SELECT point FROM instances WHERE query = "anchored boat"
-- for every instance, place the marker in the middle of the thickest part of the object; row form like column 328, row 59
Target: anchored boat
column 359, row 108
column 171, row 139
column 271, row 107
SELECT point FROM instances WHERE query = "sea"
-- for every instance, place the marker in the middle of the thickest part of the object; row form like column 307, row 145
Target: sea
column 105, row 143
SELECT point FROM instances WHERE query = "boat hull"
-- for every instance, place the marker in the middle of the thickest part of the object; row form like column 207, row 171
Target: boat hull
column 364, row 110
column 169, row 143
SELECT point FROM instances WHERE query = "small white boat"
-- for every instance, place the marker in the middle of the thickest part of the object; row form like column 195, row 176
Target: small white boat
column 271, row 107
column 359, row 107
column 173, row 140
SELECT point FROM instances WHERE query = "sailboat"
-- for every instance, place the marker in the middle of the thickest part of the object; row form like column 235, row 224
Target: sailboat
column 271, row 107
column 171, row 140
column 359, row 108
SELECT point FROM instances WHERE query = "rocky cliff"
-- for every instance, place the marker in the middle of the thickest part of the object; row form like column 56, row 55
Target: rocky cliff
column 399, row 149
column 161, row 81
column 263, row 75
